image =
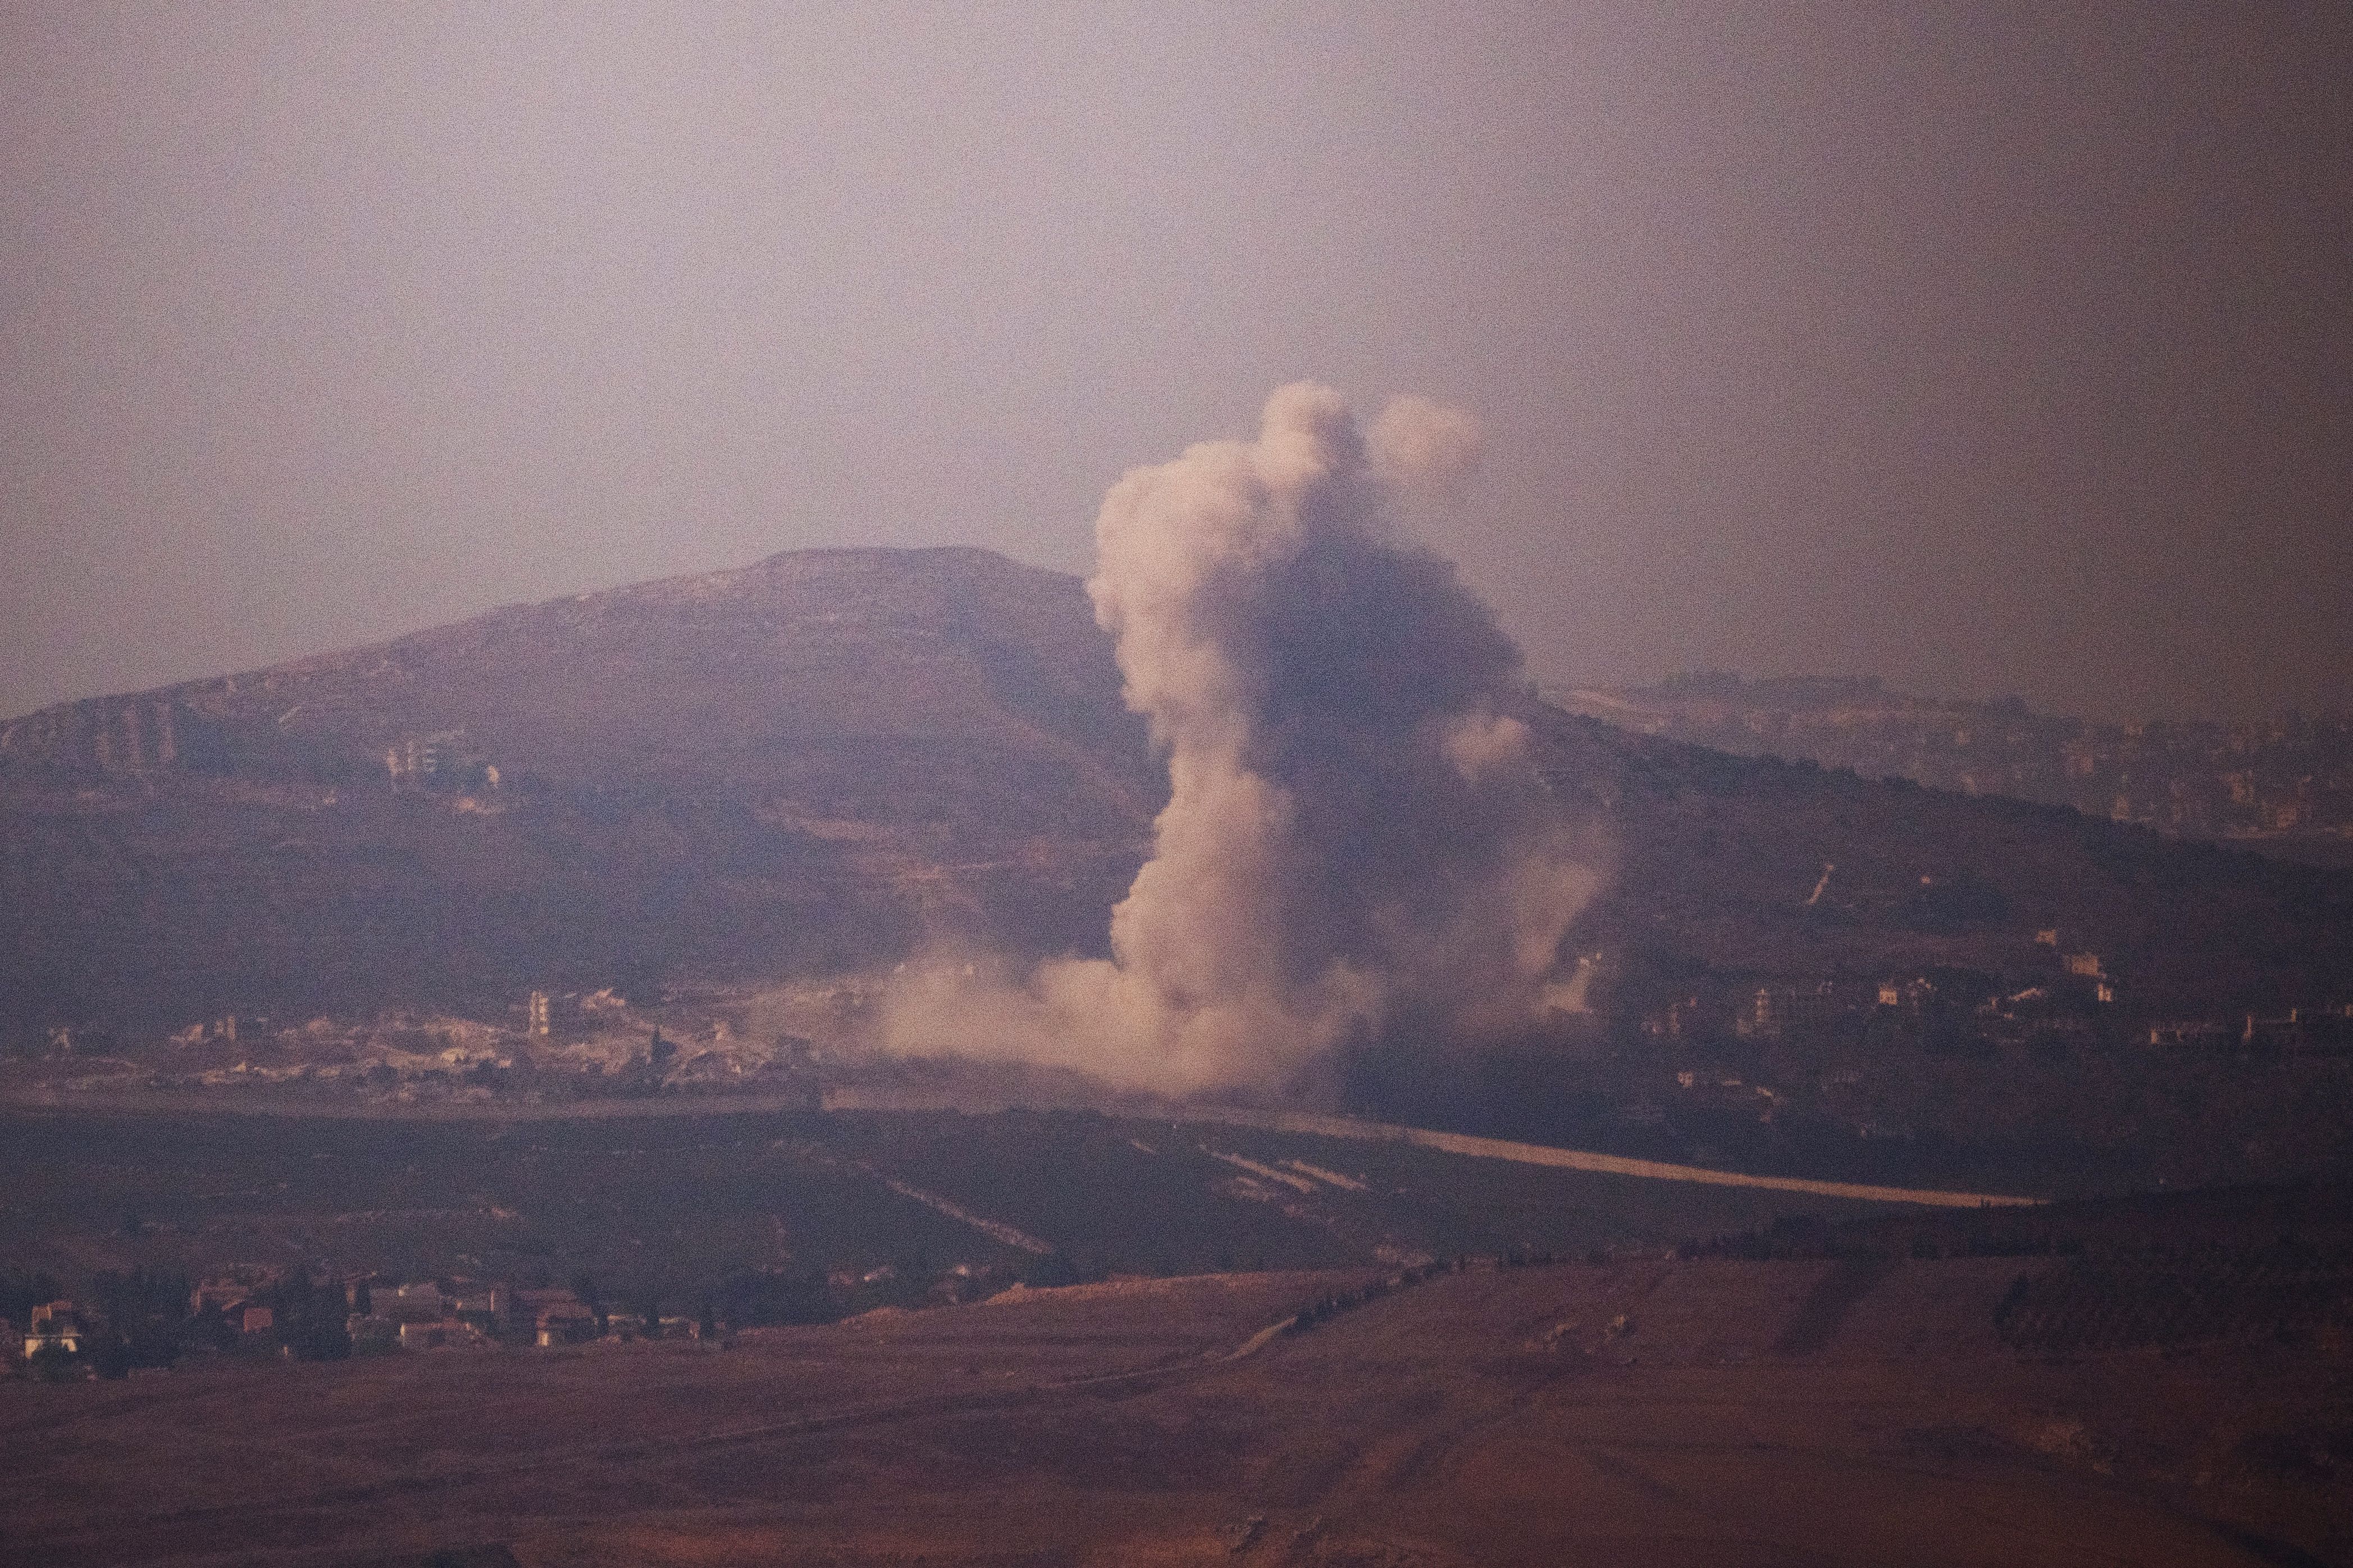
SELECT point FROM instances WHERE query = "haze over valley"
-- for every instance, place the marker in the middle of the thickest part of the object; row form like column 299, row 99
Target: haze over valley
column 885, row 786
column 785, row 829
column 800, row 880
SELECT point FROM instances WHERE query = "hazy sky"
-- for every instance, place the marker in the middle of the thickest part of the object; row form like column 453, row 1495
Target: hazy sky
column 1983, row 349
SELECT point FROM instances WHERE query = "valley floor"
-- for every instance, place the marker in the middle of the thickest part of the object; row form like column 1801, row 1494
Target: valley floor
column 1638, row 1412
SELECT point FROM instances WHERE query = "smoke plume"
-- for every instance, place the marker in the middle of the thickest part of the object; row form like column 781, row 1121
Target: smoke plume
column 1357, row 831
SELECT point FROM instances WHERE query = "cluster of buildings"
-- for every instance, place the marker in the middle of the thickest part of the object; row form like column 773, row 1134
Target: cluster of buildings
column 243, row 1310
column 429, row 1315
column 1824, row 1008
column 54, row 1329
column 560, row 1044
column 2320, row 1030
column 443, row 760
column 435, row 1314
column 2275, row 778
column 63, row 1333
column 2075, row 998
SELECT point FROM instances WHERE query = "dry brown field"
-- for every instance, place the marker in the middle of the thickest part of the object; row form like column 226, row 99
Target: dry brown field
column 1654, row 1412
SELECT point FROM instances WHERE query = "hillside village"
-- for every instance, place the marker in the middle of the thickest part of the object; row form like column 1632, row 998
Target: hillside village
column 550, row 1045
column 2286, row 784
column 671, row 843
column 149, row 1321
column 1666, row 1064
column 803, row 772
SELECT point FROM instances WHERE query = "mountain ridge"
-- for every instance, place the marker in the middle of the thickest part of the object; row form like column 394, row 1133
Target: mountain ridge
column 818, row 762
column 2282, row 786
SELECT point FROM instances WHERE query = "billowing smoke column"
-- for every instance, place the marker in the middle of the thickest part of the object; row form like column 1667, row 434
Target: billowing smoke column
column 1355, row 831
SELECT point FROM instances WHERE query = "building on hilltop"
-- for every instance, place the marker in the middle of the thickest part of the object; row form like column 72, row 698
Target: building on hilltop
column 55, row 1326
column 441, row 760
column 370, row 1331
column 2191, row 1032
column 484, row 1310
column 228, row 1291
column 1913, row 996
column 1774, row 1011
column 416, row 1303
column 562, row 1323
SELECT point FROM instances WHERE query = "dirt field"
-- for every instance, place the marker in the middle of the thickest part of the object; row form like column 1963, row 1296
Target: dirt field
column 1653, row 1413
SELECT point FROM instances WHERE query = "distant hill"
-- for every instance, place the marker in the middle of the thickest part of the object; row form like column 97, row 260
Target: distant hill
column 1760, row 868
column 2281, row 785
column 777, row 770
column 800, row 766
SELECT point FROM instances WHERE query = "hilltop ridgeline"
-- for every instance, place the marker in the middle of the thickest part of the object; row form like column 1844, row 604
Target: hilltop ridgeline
column 809, row 764
column 2282, row 786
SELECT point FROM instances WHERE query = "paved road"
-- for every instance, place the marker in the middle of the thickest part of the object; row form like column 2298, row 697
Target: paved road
column 1586, row 1160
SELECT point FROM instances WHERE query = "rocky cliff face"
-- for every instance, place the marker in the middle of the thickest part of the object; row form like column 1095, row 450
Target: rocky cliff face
column 807, row 765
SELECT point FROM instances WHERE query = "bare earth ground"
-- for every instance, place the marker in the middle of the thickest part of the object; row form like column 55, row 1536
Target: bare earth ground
column 1639, row 1413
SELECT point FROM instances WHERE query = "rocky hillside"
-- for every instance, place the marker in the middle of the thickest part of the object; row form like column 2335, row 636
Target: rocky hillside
column 804, row 765
column 785, row 768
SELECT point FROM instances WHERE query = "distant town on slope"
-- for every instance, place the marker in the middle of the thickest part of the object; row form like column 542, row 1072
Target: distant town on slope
column 2283, row 785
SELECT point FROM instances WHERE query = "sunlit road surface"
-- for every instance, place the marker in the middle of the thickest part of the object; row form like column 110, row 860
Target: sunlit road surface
column 1586, row 1160
column 869, row 1099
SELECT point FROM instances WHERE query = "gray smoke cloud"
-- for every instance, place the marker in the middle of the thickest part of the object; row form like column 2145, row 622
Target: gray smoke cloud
column 1357, row 830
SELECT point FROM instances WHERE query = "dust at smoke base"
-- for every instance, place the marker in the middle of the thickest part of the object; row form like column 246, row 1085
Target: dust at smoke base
column 1356, row 839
